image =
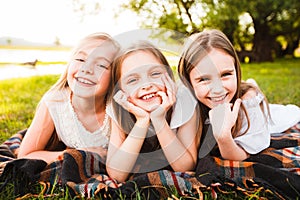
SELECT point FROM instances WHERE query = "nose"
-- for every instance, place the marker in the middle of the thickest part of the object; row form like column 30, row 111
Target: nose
column 216, row 87
column 146, row 86
column 87, row 69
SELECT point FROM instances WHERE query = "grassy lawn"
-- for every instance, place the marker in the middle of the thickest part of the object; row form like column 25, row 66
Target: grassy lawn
column 280, row 81
column 18, row 100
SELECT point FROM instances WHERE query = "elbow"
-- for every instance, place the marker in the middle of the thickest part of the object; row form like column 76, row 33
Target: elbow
column 117, row 175
column 20, row 153
column 186, row 166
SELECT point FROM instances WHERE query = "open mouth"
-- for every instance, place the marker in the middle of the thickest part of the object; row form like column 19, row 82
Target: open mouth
column 148, row 96
column 218, row 99
column 84, row 81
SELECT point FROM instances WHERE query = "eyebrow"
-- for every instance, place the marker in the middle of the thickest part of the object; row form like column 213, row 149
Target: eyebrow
column 130, row 75
column 104, row 58
column 227, row 70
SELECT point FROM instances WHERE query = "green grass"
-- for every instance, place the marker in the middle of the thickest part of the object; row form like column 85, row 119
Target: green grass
column 18, row 101
column 280, row 81
column 19, row 97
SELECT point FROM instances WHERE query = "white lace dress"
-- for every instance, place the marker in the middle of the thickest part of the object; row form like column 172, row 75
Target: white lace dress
column 68, row 127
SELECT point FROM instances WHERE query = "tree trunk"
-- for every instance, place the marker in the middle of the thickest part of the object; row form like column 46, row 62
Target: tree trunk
column 263, row 43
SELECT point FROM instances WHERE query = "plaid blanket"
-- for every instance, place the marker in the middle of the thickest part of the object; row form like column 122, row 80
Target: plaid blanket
column 275, row 170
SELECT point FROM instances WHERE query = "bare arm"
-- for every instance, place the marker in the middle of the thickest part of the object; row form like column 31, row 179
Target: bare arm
column 223, row 119
column 123, row 151
column 37, row 137
column 180, row 149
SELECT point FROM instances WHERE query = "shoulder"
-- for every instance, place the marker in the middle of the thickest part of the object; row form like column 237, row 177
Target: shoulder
column 183, row 94
column 251, row 93
column 253, row 98
column 57, row 95
column 184, row 107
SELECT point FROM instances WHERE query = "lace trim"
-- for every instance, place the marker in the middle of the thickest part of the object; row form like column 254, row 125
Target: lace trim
column 104, row 130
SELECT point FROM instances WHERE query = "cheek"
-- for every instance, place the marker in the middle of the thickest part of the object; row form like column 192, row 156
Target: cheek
column 231, row 85
column 73, row 69
column 129, row 90
column 103, row 75
column 200, row 91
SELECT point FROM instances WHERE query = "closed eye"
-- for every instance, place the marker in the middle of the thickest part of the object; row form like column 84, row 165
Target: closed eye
column 156, row 74
column 102, row 66
column 131, row 80
column 202, row 79
column 80, row 60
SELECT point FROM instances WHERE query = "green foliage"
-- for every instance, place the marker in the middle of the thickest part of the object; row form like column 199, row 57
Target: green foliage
column 269, row 19
column 18, row 101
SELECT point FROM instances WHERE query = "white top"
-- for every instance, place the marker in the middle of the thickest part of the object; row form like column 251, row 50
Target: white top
column 68, row 127
column 183, row 109
column 257, row 138
column 283, row 117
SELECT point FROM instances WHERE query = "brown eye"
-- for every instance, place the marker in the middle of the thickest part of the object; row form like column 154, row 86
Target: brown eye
column 203, row 79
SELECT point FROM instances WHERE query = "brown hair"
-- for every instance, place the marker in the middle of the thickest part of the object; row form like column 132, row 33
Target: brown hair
column 125, row 119
column 196, row 48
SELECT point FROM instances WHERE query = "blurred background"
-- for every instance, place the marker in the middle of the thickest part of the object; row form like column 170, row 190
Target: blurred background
column 36, row 37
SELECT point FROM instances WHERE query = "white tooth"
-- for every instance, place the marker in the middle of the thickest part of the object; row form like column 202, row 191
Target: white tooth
column 218, row 98
column 84, row 81
column 148, row 96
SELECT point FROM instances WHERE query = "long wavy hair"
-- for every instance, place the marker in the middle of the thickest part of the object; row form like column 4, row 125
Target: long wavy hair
column 195, row 49
column 62, row 82
column 125, row 119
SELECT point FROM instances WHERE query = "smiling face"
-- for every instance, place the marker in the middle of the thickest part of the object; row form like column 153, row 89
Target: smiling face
column 89, row 71
column 141, row 79
column 214, row 78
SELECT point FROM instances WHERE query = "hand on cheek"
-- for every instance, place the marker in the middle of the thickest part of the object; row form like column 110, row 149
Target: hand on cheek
column 123, row 100
column 158, row 116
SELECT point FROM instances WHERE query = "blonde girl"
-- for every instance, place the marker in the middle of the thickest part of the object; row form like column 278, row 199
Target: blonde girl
column 75, row 106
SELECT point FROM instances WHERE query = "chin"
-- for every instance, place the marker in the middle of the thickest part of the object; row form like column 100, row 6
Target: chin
column 152, row 107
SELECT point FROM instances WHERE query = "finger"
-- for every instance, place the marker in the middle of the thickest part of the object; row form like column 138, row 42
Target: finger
column 172, row 83
column 118, row 95
column 121, row 99
column 170, row 88
column 169, row 82
column 163, row 96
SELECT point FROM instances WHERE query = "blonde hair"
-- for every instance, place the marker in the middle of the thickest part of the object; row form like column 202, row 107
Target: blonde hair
column 62, row 81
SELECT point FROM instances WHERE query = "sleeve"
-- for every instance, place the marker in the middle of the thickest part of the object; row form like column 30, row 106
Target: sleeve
column 257, row 138
column 184, row 107
column 283, row 117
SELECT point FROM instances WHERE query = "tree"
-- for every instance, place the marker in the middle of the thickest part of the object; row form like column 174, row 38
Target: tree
column 270, row 19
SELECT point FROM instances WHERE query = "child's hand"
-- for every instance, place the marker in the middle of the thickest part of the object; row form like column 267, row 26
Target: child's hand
column 222, row 119
column 168, row 99
column 122, row 99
